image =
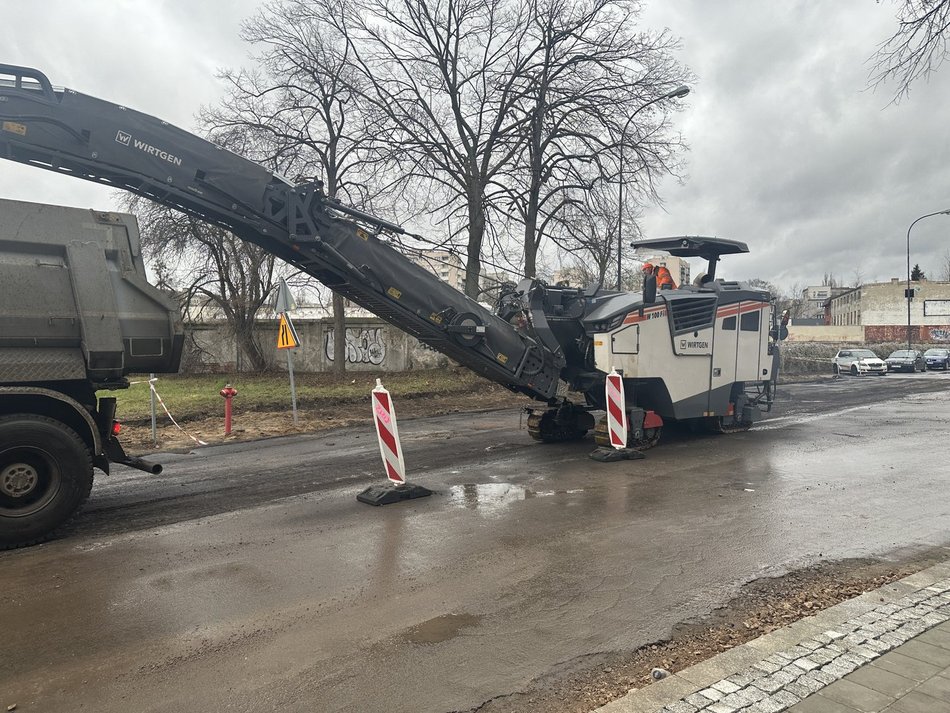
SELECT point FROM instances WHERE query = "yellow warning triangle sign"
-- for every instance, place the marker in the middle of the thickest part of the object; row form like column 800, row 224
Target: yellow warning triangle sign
column 286, row 334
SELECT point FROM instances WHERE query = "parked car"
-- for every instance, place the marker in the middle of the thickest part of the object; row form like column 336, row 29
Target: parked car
column 858, row 361
column 906, row 360
column 937, row 358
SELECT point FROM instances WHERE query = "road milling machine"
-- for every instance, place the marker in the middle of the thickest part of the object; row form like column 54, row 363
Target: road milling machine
column 700, row 353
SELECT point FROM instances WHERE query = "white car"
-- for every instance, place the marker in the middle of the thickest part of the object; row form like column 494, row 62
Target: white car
column 858, row 361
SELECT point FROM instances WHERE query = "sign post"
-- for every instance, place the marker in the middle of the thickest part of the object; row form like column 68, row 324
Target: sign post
column 287, row 338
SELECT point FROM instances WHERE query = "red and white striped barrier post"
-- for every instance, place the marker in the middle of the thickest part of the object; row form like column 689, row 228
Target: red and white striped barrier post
column 384, row 415
column 616, row 410
column 617, row 426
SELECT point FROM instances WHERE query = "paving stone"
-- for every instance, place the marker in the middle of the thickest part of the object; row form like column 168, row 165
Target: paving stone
column 698, row 700
column 934, row 619
column 811, row 682
column 752, row 693
column 834, row 635
column 824, row 639
column 926, row 652
column 744, row 678
column 736, row 701
column 680, row 707
column 779, row 658
column 839, row 668
column 892, row 639
column 864, row 652
column 878, row 646
column 767, row 705
column 917, row 702
column 852, row 658
column 796, row 652
column 852, row 640
column 725, row 686
column 806, row 663
column 811, row 644
column 798, row 688
column 820, row 675
column 823, row 656
column 786, row 698
column 784, row 676
column 908, row 667
column 770, row 684
column 712, row 694
column 887, row 609
column 767, row 666
column 721, row 707
column 915, row 627
column 793, row 670
column 857, row 696
column 882, row 681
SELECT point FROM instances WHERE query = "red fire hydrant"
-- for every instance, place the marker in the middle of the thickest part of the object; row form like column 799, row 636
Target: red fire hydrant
column 228, row 392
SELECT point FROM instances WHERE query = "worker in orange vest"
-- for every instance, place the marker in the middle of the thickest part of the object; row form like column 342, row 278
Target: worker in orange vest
column 664, row 280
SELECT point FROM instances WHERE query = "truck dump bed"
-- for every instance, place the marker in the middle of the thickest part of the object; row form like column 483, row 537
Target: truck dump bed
column 74, row 302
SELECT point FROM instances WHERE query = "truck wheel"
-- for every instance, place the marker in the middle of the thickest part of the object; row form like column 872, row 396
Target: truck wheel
column 45, row 475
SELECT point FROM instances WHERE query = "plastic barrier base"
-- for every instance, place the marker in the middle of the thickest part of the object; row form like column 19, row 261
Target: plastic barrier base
column 386, row 494
column 612, row 455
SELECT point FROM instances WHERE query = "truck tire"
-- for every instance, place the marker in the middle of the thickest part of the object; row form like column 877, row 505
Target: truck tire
column 45, row 475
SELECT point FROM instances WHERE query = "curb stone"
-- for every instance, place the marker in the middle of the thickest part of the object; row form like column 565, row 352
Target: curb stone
column 779, row 669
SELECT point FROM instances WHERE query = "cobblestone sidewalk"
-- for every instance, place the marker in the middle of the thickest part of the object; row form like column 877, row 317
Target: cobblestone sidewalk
column 778, row 671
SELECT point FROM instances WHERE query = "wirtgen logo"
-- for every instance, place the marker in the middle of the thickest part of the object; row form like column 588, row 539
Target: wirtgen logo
column 126, row 140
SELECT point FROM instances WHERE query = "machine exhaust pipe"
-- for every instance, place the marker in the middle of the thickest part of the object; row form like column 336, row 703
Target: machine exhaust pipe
column 141, row 464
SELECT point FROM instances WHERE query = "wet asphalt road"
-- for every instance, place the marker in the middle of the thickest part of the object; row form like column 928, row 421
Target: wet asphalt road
column 248, row 578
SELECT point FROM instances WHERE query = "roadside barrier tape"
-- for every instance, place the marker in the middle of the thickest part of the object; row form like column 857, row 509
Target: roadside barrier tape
column 384, row 414
column 169, row 414
column 151, row 385
column 616, row 410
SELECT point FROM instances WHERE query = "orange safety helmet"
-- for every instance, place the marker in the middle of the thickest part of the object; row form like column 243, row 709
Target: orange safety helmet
column 647, row 267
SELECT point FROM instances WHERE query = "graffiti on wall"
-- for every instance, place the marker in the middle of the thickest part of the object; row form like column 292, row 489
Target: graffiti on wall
column 363, row 345
column 940, row 334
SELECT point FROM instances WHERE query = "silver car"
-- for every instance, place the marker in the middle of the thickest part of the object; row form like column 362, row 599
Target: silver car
column 858, row 361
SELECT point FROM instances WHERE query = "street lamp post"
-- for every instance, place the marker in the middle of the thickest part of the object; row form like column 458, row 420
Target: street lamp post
column 907, row 291
column 681, row 91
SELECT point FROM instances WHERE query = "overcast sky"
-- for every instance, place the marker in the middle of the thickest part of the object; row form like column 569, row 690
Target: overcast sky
column 789, row 152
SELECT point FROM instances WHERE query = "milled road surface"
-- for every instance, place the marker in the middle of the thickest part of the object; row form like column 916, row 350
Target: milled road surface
column 248, row 578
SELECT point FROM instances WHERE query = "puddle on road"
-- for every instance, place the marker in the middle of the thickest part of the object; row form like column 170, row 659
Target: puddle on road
column 491, row 497
column 441, row 628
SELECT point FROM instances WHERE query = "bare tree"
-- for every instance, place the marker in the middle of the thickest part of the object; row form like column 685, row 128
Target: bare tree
column 587, row 67
column 857, row 277
column 446, row 74
column 211, row 270
column 298, row 110
column 586, row 233
column 917, row 47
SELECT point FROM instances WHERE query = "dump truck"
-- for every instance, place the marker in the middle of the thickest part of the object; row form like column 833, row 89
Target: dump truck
column 702, row 353
column 76, row 317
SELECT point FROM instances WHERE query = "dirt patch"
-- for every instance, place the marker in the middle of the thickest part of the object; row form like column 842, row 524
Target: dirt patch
column 762, row 606
column 249, row 425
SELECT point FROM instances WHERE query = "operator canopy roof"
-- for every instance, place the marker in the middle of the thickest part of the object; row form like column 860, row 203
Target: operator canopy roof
column 694, row 246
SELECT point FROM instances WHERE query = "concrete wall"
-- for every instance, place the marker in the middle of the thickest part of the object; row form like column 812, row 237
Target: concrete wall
column 825, row 333
column 371, row 345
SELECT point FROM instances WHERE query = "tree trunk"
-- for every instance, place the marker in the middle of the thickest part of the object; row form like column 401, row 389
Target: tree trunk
column 476, row 233
column 339, row 335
